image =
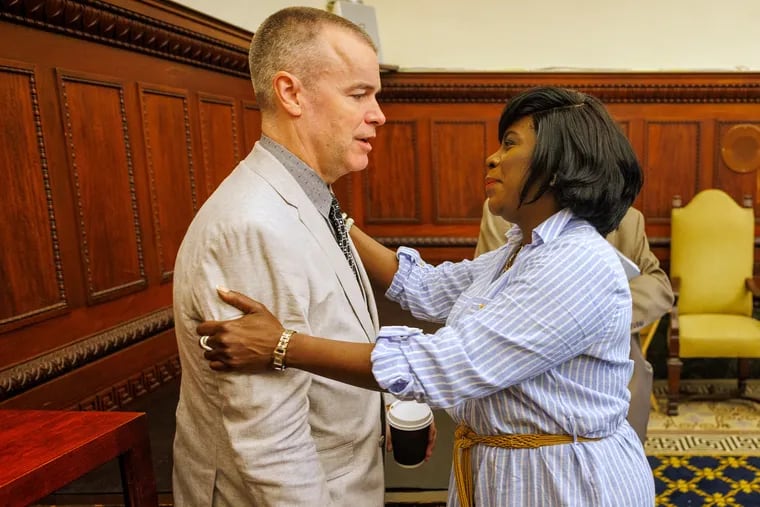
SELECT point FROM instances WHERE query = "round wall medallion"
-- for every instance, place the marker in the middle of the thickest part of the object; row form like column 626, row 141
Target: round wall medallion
column 741, row 148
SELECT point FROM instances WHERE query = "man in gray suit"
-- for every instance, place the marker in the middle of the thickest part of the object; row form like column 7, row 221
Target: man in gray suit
column 287, row 438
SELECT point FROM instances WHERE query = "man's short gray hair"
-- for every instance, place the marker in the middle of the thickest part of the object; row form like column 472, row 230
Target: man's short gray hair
column 287, row 41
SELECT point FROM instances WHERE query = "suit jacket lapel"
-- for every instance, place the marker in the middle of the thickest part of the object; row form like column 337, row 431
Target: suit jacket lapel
column 286, row 186
column 371, row 306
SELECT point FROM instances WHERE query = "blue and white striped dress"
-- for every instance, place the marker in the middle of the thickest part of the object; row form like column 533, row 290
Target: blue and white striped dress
column 541, row 348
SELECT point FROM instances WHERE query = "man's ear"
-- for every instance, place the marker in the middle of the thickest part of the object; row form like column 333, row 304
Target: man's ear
column 287, row 89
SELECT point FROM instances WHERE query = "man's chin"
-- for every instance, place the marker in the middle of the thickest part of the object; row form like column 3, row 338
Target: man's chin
column 358, row 164
column 351, row 169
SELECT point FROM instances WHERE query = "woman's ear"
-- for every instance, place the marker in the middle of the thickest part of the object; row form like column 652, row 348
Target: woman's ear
column 287, row 89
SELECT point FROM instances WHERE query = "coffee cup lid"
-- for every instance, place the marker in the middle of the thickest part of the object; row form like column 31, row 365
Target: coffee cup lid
column 409, row 415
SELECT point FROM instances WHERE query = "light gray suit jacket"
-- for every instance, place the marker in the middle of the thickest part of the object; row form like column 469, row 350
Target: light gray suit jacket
column 280, row 438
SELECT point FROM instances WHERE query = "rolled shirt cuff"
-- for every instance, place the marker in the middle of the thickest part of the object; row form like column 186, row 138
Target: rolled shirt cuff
column 389, row 364
column 407, row 259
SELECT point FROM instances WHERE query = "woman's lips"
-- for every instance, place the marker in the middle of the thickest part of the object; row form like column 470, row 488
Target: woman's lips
column 491, row 181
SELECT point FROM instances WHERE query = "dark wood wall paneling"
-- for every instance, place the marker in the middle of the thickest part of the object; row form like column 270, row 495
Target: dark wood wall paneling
column 171, row 171
column 424, row 185
column 122, row 116
column 32, row 246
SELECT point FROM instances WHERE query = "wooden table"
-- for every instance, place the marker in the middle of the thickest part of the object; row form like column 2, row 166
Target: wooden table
column 43, row 450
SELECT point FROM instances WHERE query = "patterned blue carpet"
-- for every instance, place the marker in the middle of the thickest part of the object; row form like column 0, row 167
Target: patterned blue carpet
column 692, row 481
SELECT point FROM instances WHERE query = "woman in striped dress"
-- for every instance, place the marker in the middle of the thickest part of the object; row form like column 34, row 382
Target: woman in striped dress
column 533, row 359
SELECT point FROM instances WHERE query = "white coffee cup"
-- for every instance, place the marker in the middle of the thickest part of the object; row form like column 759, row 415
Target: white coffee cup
column 410, row 425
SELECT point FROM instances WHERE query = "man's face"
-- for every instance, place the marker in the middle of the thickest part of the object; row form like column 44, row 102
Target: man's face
column 340, row 109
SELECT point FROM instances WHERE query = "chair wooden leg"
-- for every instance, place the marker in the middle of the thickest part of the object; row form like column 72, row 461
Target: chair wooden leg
column 674, row 384
column 743, row 374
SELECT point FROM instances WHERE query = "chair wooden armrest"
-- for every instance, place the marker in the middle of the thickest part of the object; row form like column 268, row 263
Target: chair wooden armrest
column 675, row 283
column 753, row 285
column 674, row 327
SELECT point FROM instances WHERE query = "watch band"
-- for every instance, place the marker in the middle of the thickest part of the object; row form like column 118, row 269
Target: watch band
column 278, row 356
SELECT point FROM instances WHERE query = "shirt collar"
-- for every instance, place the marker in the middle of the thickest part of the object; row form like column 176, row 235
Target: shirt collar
column 546, row 231
column 313, row 186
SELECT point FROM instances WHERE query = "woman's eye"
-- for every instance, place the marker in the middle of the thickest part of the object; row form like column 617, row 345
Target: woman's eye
column 507, row 142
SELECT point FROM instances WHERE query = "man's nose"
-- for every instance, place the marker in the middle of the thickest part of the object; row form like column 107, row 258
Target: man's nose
column 376, row 116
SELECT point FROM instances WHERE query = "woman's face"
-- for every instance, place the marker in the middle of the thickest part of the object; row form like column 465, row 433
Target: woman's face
column 508, row 167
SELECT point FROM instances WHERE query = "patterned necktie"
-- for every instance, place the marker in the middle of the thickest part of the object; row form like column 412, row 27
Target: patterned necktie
column 339, row 226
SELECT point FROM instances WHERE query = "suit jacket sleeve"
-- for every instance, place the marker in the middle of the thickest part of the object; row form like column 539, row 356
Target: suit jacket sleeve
column 265, row 417
column 651, row 291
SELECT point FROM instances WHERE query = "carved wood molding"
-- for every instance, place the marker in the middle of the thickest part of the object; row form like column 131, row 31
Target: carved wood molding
column 121, row 394
column 48, row 366
column 427, row 241
column 407, row 88
column 101, row 22
column 740, row 146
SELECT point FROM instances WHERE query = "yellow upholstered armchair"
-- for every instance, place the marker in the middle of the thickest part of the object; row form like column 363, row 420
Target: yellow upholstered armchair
column 711, row 269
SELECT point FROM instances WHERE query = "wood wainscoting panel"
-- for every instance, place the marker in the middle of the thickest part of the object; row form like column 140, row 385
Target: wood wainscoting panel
column 155, row 108
column 30, row 265
column 344, row 190
column 672, row 159
column 671, row 118
column 392, row 193
column 106, row 107
column 172, row 176
column 100, row 158
column 737, row 183
column 251, row 126
column 219, row 133
column 625, row 126
column 459, row 150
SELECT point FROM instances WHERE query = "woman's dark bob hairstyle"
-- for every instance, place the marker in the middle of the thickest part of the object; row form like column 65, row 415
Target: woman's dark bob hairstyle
column 581, row 155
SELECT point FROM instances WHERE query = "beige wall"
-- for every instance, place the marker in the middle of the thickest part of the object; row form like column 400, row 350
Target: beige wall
column 509, row 35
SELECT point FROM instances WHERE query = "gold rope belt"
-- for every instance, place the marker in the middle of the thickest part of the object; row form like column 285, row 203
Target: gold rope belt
column 465, row 438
